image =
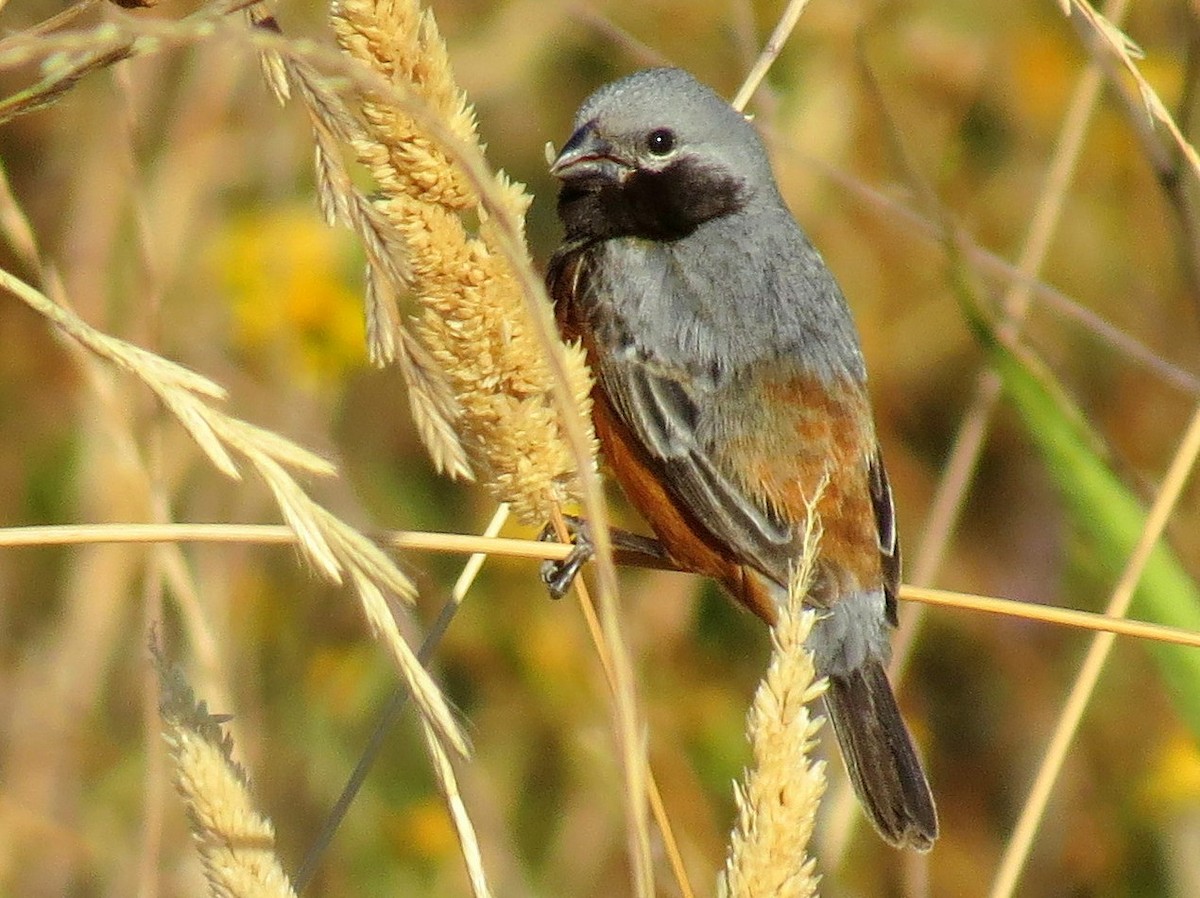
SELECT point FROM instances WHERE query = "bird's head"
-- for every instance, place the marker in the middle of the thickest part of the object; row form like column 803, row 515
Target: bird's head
column 656, row 155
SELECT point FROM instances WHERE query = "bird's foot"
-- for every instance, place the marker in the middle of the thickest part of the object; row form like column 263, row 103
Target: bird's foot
column 631, row 549
column 559, row 575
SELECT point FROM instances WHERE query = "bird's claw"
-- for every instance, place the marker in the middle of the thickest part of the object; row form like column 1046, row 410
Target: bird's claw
column 559, row 575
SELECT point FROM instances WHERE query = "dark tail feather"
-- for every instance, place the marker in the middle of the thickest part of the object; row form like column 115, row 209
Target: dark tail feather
column 880, row 758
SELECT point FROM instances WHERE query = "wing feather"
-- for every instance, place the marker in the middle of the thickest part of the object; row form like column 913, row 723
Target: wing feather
column 662, row 409
column 889, row 540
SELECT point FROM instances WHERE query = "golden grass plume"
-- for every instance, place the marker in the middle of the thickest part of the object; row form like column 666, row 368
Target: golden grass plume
column 473, row 325
column 236, row 842
column 778, row 798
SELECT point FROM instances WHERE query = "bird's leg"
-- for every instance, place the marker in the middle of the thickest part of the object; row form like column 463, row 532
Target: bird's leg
column 559, row 575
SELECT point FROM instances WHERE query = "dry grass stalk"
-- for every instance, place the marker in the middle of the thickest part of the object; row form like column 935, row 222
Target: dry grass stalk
column 90, row 51
column 473, row 323
column 1126, row 51
column 778, row 799
column 1021, row 843
column 488, row 544
column 235, row 841
column 335, row 549
column 435, row 408
column 463, row 828
column 60, row 74
column 15, row 226
column 774, row 46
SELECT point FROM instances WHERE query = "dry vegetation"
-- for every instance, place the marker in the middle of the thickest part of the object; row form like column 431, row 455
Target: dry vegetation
column 1007, row 193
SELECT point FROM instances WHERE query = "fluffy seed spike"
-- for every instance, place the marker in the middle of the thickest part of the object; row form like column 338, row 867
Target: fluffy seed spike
column 474, row 323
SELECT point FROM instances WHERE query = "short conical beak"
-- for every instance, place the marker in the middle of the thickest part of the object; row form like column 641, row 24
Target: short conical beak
column 589, row 157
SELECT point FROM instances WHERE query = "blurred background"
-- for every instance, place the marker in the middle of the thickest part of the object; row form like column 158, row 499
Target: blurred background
column 174, row 198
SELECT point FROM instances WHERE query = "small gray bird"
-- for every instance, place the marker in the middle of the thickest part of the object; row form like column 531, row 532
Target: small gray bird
column 731, row 391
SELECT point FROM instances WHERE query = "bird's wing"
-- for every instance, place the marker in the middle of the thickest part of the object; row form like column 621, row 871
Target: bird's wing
column 662, row 410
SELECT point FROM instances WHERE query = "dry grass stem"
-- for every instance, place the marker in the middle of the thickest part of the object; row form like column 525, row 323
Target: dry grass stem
column 1107, row 29
column 1021, row 842
column 392, row 711
column 487, row 544
column 463, row 828
column 639, row 779
column 62, row 74
column 762, row 65
column 1048, row 614
column 235, row 841
column 638, row 50
column 15, row 226
column 60, row 19
column 470, row 571
column 658, row 810
column 333, row 547
column 779, row 796
column 84, row 52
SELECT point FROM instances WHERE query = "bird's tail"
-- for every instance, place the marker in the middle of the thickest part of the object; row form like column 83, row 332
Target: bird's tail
column 880, row 758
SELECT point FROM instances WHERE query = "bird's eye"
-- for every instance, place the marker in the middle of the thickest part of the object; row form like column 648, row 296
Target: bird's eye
column 660, row 142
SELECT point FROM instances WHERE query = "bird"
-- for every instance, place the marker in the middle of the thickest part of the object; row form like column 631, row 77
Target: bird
column 730, row 394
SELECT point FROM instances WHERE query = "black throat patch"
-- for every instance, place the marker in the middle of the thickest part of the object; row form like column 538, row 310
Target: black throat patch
column 662, row 205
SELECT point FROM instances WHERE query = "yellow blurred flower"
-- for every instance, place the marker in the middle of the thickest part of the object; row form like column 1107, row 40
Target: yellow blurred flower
column 423, row 831
column 286, row 273
column 1173, row 782
column 1045, row 67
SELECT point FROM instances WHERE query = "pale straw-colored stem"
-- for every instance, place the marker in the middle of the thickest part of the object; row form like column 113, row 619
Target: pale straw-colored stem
column 393, row 709
column 1048, row 614
column 1106, row 26
column 783, row 30
column 455, row 543
column 265, row 534
column 457, row 808
column 470, row 571
column 610, row 645
column 1017, row 851
column 596, row 632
